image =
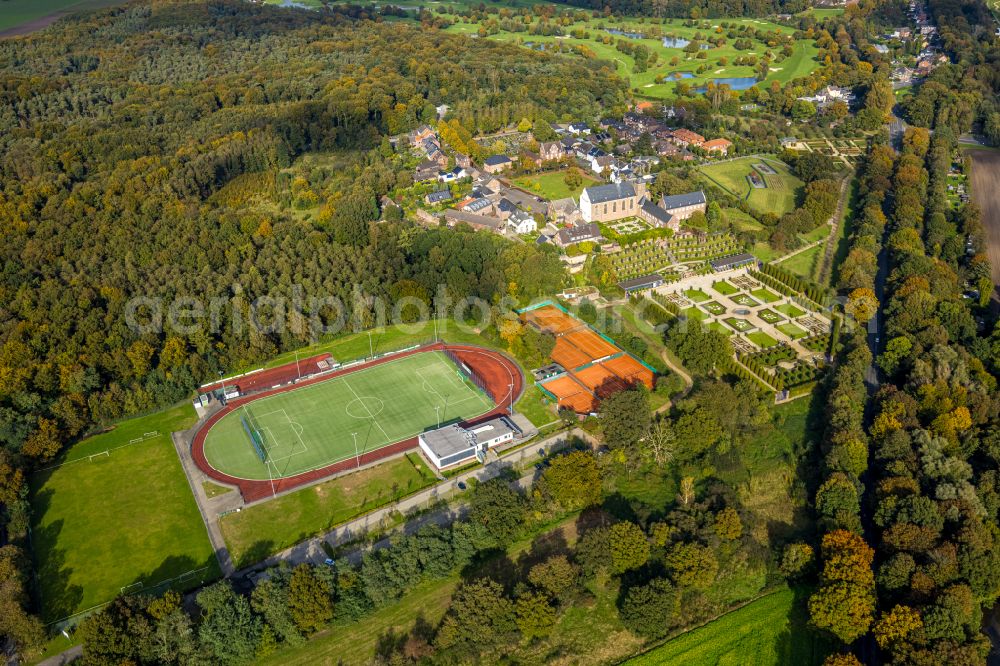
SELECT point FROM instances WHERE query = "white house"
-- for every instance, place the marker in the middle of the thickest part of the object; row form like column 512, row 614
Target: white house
column 454, row 444
column 521, row 222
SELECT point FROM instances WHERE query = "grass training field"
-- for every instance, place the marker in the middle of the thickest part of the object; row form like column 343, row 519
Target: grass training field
column 116, row 519
column 779, row 195
column 767, row 632
column 269, row 527
column 553, row 185
column 314, row 426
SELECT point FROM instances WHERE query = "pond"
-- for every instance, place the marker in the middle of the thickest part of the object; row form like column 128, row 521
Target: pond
column 623, row 33
column 734, row 83
column 675, row 42
column 680, row 75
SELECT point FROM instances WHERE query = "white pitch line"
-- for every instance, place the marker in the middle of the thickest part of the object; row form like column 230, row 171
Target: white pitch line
column 374, row 420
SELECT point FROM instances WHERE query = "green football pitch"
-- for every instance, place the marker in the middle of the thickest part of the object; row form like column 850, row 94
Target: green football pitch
column 316, row 425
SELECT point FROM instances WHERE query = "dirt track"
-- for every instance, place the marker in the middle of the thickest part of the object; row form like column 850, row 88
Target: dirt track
column 986, row 192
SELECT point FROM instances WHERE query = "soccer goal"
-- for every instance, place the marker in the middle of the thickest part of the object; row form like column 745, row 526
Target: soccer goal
column 254, row 433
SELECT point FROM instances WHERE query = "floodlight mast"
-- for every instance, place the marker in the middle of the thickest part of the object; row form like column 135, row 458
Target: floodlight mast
column 357, row 456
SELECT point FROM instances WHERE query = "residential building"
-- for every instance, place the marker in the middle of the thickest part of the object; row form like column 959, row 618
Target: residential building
column 579, row 128
column 496, row 163
column 604, row 203
column 426, row 170
column 438, row 197
column 550, row 151
column 684, row 137
column 684, row 205
column 572, row 235
column 522, row 223
column 453, row 217
column 720, row 146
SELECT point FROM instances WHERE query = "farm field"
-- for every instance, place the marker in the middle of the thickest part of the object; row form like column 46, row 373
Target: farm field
column 985, row 185
column 118, row 519
column 316, row 425
column 24, row 16
column 778, row 197
column 553, row 185
column 770, row 631
column 269, row 527
column 661, row 79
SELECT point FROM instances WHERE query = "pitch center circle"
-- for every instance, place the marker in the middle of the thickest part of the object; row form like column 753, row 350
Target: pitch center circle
column 365, row 407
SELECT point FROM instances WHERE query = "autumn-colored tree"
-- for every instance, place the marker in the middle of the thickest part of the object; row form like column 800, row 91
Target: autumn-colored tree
column 43, row 444
column 534, row 615
column 728, row 525
column 839, row 659
column 861, row 304
column 573, row 480
column 844, row 603
column 556, row 575
column 898, row 624
column 692, row 565
column 629, row 547
column 309, row 600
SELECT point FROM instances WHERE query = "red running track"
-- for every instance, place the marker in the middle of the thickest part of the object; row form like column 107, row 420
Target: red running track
column 501, row 374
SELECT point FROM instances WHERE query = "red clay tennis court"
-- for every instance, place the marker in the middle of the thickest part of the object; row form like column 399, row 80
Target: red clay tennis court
column 571, row 394
column 600, row 380
column 591, row 344
column 566, row 354
column 630, row 370
column 552, row 319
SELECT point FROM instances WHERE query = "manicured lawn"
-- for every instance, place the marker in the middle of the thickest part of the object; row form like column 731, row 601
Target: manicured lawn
column 761, row 339
column 697, row 295
column 719, row 328
column 768, row 632
column 694, row 313
column 534, row 405
column 779, row 195
column 738, row 324
column 769, row 316
column 804, row 263
column 103, row 523
column 714, row 307
column 269, row 527
column 765, row 294
column 214, row 489
column 791, row 330
column 724, row 288
column 790, row 310
column 745, row 301
column 553, row 185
